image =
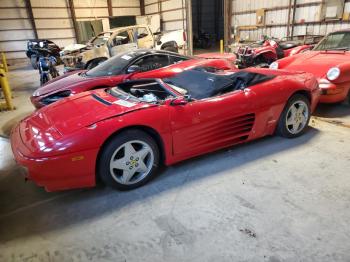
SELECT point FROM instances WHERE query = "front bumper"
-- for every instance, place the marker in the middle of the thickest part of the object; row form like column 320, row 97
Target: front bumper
column 60, row 172
column 333, row 93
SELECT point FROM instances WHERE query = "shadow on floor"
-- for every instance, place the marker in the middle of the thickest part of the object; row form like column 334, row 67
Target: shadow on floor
column 333, row 110
column 27, row 209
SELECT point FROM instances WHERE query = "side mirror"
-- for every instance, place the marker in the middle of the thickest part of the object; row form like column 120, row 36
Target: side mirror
column 133, row 69
column 180, row 101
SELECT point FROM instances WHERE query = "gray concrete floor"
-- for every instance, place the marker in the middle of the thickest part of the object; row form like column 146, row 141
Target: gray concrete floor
column 270, row 200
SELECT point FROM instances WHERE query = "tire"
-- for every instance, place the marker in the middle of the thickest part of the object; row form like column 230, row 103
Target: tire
column 289, row 121
column 117, row 153
column 34, row 61
column 171, row 49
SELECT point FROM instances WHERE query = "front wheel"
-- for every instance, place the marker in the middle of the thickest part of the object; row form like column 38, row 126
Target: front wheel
column 295, row 117
column 129, row 160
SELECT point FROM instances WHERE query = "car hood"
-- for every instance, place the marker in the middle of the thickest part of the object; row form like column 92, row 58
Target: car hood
column 316, row 62
column 62, row 83
column 72, row 48
column 73, row 113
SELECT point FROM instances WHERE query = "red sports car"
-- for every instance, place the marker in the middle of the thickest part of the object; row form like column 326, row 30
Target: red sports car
column 130, row 65
column 123, row 134
column 329, row 61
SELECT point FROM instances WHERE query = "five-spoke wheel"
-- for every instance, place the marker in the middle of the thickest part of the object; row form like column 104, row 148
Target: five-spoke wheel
column 129, row 160
column 295, row 117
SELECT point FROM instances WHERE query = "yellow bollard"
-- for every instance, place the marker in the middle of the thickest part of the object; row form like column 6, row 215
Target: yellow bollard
column 221, row 46
column 4, row 62
column 6, row 90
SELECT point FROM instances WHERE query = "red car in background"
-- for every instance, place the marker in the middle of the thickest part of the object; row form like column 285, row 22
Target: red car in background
column 329, row 61
column 266, row 53
column 121, row 135
column 130, row 65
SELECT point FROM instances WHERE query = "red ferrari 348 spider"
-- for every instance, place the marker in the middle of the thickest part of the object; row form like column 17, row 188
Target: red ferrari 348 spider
column 142, row 63
column 329, row 61
column 123, row 134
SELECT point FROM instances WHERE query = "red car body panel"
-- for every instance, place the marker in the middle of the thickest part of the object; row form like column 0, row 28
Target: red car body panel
column 318, row 63
column 61, row 153
column 76, row 82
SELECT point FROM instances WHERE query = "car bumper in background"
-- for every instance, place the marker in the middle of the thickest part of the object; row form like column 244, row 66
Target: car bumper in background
column 333, row 93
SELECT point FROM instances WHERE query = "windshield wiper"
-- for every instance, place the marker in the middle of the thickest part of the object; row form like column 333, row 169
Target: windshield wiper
column 338, row 49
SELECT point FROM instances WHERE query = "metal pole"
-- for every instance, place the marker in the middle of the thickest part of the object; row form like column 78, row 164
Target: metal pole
column 6, row 90
column 227, row 23
column 293, row 19
column 4, row 62
column 289, row 11
column 189, row 27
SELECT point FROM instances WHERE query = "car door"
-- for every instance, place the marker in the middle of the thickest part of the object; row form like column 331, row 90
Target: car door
column 144, row 37
column 206, row 125
column 121, row 41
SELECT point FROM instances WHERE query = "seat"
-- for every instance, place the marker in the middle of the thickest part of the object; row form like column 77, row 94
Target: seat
column 288, row 45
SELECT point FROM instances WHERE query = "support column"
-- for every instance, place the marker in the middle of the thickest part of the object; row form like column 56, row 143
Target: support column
column 31, row 17
column 142, row 7
column 189, row 29
column 110, row 8
column 74, row 19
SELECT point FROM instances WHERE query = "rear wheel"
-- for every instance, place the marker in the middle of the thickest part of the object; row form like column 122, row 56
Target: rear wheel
column 295, row 117
column 129, row 161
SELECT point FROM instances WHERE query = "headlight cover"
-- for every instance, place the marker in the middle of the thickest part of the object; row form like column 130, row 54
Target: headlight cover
column 333, row 73
column 55, row 97
column 274, row 65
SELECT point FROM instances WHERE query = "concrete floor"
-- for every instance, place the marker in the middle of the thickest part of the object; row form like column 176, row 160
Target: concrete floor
column 270, row 200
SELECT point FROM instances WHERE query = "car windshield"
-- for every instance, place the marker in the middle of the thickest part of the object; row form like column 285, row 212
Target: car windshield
column 335, row 41
column 101, row 39
column 147, row 90
column 113, row 66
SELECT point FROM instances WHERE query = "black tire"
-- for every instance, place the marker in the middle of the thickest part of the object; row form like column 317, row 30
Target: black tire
column 171, row 49
column 111, row 151
column 282, row 127
column 34, row 61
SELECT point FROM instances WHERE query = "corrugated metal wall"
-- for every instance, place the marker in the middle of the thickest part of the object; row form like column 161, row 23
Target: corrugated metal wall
column 52, row 19
column 172, row 13
column 307, row 18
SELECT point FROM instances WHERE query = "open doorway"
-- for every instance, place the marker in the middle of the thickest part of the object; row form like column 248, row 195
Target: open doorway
column 207, row 25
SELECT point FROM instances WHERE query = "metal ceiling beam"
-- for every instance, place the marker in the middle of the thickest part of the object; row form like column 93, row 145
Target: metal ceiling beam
column 31, row 17
column 74, row 19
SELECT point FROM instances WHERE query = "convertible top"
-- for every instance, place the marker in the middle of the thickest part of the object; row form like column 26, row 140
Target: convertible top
column 201, row 84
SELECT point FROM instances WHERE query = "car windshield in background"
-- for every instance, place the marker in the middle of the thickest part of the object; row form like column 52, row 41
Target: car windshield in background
column 101, row 39
column 336, row 41
column 113, row 66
